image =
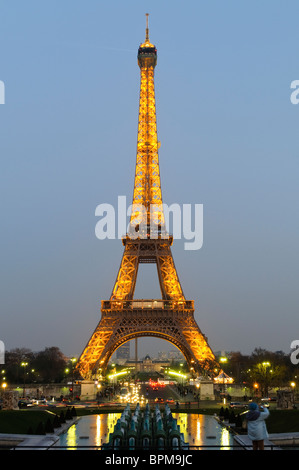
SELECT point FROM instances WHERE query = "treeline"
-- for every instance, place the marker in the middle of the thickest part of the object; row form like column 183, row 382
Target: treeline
column 47, row 366
column 262, row 369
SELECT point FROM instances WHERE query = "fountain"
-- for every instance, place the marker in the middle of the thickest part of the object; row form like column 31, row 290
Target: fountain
column 146, row 430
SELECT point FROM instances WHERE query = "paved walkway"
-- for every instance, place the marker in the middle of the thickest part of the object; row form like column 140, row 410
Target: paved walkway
column 273, row 443
column 246, row 444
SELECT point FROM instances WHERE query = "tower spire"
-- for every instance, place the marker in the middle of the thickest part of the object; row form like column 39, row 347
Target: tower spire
column 147, row 29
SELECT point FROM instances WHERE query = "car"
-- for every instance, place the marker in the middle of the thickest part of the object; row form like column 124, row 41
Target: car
column 39, row 401
column 237, row 404
column 159, row 400
column 170, row 400
column 24, row 403
column 269, row 399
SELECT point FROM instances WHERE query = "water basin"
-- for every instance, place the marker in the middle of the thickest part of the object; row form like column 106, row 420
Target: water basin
column 200, row 431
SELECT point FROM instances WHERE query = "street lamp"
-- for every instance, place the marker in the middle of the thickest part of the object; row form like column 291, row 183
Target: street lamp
column 266, row 366
column 223, row 360
column 24, row 364
column 73, row 360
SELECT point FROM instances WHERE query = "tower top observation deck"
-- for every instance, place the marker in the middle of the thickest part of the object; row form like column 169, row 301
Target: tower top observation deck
column 147, row 52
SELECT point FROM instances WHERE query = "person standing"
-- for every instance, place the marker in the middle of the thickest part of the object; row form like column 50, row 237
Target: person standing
column 256, row 426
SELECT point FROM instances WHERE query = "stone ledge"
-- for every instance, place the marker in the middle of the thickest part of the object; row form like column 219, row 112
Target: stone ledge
column 246, row 444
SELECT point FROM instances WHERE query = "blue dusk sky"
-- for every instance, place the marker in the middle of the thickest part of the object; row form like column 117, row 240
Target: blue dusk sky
column 229, row 141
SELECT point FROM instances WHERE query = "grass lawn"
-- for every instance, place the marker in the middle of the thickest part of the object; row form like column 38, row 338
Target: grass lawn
column 20, row 421
column 283, row 421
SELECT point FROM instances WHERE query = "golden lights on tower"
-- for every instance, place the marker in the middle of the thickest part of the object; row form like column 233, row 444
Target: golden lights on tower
column 147, row 241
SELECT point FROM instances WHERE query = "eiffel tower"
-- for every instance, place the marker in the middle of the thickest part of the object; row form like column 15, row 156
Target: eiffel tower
column 124, row 318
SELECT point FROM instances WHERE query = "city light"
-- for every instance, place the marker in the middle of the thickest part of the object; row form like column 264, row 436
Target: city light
column 112, row 376
column 171, row 372
column 223, row 359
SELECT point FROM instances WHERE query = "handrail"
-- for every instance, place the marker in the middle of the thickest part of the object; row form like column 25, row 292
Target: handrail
column 97, row 447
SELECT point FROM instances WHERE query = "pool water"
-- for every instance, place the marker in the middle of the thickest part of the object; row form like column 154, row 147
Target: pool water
column 93, row 431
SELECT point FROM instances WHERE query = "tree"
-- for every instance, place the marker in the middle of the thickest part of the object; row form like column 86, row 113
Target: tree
column 13, row 360
column 235, row 365
column 51, row 364
column 268, row 375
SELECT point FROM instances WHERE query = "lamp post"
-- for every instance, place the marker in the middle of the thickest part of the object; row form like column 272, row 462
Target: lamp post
column 256, row 387
column 67, row 370
column 223, row 360
column 3, row 379
column 293, row 385
column 24, row 364
column 73, row 360
column 266, row 366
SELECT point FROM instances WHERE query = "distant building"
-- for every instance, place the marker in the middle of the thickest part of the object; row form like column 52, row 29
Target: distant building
column 173, row 354
column 123, row 352
column 148, row 364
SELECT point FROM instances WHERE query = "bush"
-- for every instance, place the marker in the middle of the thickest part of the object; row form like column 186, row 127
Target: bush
column 56, row 422
column 226, row 413
column 238, row 421
column 68, row 414
column 40, row 428
column 49, row 426
column 232, row 417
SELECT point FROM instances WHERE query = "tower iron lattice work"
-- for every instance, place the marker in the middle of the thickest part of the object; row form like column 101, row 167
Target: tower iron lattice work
column 122, row 317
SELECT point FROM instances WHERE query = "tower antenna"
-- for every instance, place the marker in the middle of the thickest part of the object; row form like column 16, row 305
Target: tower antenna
column 147, row 30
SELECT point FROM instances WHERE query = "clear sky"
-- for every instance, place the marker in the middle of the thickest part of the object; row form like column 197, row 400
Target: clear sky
column 229, row 141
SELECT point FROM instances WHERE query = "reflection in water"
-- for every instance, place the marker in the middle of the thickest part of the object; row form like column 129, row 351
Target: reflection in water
column 71, row 438
column 198, row 430
column 202, row 430
column 99, row 430
column 225, row 439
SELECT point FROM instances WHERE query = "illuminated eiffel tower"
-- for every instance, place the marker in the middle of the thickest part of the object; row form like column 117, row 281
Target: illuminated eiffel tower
column 147, row 241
